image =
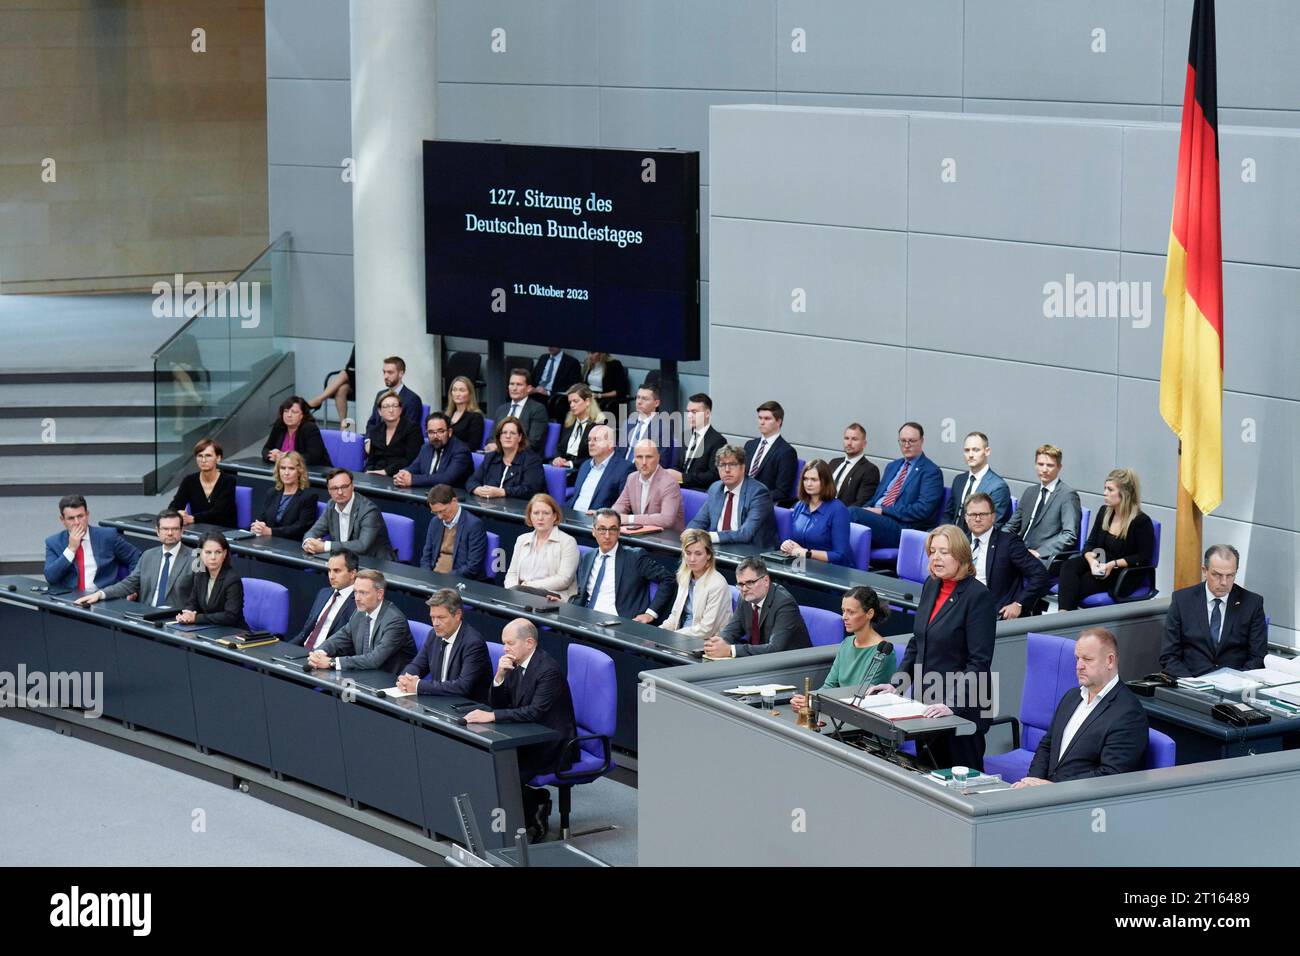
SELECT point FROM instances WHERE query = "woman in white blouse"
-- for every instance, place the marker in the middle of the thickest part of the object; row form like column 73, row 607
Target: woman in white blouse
column 545, row 557
column 703, row 603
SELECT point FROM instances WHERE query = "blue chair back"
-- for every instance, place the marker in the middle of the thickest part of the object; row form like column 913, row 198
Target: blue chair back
column 478, row 459
column 557, row 485
column 595, row 695
column 1015, row 504
column 419, row 631
column 824, row 627
column 495, row 652
column 1161, row 750
column 1049, row 673
column 584, row 550
column 344, row 454
column 784, row 522
column 860, row 546
column 266, row 606
column 401, row 533
column 488, row 425
column 489, row 559
column 799, row 464
column 424, row 416
column 243, row 506
column 735, row 597
column 943, row 506
column 320, row 508
column 692, row 501
column 552, row 440
column 911, row 564
column 1085, row 525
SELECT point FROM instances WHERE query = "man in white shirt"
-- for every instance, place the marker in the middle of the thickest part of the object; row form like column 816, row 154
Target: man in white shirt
column 616, row 579
column 702, row 442
column 600, row 477
column 856, row 478
column 454, row 660
column 163, row 575
column 978, row 477
column 645, row 426
column 333, row 606
column 1048, row 517
column 1098, row 729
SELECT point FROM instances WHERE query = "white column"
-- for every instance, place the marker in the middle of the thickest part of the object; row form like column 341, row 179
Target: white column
column 394, row 87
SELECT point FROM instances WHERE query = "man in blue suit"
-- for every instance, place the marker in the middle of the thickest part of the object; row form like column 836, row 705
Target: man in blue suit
column 737, row 510
column 979, row 477
column 333, row 607
column 444, row 459
column 82, row 558
column 1016, row 579
column 615, row 579
column 454, row 659
column 412, row 404
column 456, row 542
column 908, row 495
column 601, row 477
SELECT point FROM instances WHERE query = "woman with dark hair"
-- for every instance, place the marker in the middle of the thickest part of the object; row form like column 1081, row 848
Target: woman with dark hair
column 512, row 471
column 208, row 495
column 865, row 658
column 296, row 430
column 217, row 596
column 466, row 417
column 289, row 508
column 819, row 523
column 394, row 441
column 1121, row 536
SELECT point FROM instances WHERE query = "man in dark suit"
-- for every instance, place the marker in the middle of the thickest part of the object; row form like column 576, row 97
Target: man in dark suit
column 1015, row 578
column 82, row 558
column 454, row 659
column 333, row 606
column 767, row 619
column 376, row 637
column 615, row 579
column 444, row 459
column 456, row 542
column 531, row 415
column 163, row 576
column 856, row 477
column 736, row 510
column 412, row 404
column 648, row 424
column 770, row 458
column 1048, row 517
column 529, row 687
column 1098, row 729
column 702, row 444
column 352, row 522
column 554, row 372
column 909, row 494
column 978, row 477
column 601, row 477
column 1216, row 623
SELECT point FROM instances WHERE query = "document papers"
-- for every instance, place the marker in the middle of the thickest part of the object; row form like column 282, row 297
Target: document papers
column 889, row 706
column 1276, row 670
column 759, row 690
column 396, row 691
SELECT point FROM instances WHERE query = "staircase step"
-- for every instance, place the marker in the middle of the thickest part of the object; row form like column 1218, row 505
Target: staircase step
column 39, row 474
column 75, row 429
column 77, row 393
column 60, row 449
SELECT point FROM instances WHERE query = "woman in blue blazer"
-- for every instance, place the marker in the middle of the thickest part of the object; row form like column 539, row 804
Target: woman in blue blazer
column 819, row 524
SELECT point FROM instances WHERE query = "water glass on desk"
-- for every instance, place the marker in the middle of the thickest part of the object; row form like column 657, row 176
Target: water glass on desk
column 769, row 702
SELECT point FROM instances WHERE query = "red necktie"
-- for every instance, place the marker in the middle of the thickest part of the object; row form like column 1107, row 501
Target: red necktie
column 895, row 486
column 314, row 636
column 726, row 512
column 757, row 635
column 81, row 567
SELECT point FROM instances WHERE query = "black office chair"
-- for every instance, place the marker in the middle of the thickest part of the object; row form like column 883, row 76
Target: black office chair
column 469, row 364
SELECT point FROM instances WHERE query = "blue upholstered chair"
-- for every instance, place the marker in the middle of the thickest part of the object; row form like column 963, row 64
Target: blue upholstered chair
column 243, row 506
column 419, row 631
column 911, row 564
column 493, row 548
column 860, row 546
column 784, row 523
column 266, row 606
column 824, row 627
column 401, row 534
column 557, row 484
column 344, row 454
column 552, row 440
column 1144, row 591
column 692, row 501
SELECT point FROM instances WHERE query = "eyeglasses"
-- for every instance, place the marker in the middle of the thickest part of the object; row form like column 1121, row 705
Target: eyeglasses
column 605, row 529
column 744, row 585
column 335, row 488
column 979, row 514
column 728, row 464
column 909, row 441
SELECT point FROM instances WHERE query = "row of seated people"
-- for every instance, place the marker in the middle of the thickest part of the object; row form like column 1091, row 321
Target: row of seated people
column 1211, row 625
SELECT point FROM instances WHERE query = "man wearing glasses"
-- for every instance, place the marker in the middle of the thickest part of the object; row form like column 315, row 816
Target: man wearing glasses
column 767, row 618
column 1016, row 579
column 736, row 510
column 615, row 579
column 909, row 493
column 351, row 522
column 444, row 459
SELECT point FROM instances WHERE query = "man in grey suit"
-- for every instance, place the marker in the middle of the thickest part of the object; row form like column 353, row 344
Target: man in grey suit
column 376, row 637
column 1048, row 517
column 767, row 618
column 352, row 522
column 532, row 415
column 163, row 574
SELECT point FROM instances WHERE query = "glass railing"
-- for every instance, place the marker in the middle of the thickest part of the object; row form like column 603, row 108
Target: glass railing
column 228, row 339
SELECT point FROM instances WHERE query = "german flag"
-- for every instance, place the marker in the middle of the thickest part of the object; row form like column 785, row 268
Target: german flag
column 1191, row 371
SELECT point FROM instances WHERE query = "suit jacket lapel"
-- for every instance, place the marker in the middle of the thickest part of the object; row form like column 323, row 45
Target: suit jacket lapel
column 1087, row 721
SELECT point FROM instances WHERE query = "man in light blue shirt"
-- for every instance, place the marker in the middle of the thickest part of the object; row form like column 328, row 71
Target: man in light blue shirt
column 601, row 477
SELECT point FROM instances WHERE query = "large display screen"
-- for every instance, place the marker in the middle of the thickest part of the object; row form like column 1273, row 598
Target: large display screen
column 587, row 249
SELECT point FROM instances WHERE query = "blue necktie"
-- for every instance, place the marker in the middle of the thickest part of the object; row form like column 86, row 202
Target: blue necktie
column 162, row 578
column 631, row 444
column 600, row 578
column 1216, row 621
column 688, row 609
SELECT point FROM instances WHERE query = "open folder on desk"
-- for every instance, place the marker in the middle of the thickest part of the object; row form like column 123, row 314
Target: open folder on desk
column 889, row 706
column 1276, row 670
column 759, row 690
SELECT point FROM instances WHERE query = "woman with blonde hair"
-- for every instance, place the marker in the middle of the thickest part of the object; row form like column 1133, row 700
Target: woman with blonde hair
column 584, row 411
column 466, row 417
column 545, row 558
column 947, row 660
column 289, row 509
column 703, row 602
column 1121, row 536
